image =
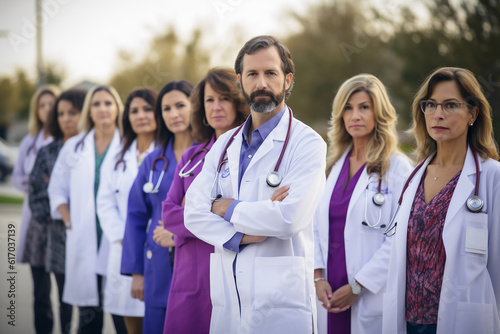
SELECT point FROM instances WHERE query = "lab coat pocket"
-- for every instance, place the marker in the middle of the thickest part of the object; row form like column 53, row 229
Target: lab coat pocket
column 475, row 237
column 217, row 280
column 280, row 301
column 474, row 318
column 280, row 282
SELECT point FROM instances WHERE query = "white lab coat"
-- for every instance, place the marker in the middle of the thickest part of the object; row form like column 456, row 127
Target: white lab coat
column 275, row 277
column 471, row 282
column 28, row 149
column 72, row 183
column 112, row 204
column 366, row 248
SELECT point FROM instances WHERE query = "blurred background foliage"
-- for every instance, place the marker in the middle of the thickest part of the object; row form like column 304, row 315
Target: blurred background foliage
column 399, row 43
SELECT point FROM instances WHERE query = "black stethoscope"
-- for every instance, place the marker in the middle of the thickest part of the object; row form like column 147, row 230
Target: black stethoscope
column 379, row 200
column 183, row 173
column 149, row 187
column 474, row 203
column 273, row 178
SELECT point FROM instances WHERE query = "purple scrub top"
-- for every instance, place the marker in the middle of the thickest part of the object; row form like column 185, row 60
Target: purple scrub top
column 141, row 255
column 190, row 287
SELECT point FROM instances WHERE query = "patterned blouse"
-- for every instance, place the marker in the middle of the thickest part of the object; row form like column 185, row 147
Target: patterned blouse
column 426, row 255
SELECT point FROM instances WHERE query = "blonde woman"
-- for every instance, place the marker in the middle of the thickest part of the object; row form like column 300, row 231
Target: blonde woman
column 363, row 169
column 72, row 191
column 444, row 270
column 42, row 103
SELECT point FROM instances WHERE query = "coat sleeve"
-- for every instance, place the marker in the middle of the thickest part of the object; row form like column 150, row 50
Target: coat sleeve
column 172, row 212
column 319, row 262
column 283, row 220
column 107, row 205
column 138, row 215
column 493, row 265
column 59, row 184
column 38, row 196
column 373, row 275
column 198, row 217
column 19, row 178
column 306, row 178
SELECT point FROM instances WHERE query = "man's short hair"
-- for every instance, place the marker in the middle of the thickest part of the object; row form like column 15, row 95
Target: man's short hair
column 264, row 42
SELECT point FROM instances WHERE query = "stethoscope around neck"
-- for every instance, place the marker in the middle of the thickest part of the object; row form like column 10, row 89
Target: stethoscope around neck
column 183, row 173
column 378, row 199
column 474, row 203
column 149, row 187
column 273, row 178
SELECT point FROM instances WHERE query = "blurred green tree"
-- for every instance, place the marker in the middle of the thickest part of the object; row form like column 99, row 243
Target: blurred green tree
column 167, row 59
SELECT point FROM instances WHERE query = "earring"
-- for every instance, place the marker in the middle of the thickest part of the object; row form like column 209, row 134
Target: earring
column 205, row 122
column 471, row 124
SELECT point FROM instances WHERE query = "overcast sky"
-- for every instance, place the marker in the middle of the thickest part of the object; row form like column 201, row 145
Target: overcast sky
column 85, row 36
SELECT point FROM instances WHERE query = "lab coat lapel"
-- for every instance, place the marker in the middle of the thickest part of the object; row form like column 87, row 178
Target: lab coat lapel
column 404, row 214
column 359, row 189
column 324, row 206
column 464, row 188
column 233, row 155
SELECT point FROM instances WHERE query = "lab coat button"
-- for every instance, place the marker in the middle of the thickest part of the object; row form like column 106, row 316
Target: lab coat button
column 249, row 156
column 149, row 254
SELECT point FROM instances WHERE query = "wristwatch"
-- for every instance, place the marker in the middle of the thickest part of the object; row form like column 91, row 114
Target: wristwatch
column 355, row 287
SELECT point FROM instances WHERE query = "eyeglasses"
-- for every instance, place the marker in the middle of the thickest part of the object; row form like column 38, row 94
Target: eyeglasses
column 449, row 108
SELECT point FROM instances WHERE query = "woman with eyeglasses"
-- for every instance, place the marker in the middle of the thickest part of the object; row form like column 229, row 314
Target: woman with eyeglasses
column 444, row 270
column 364, row 167
column 147, row 262
column 140, row 135
column 217, row 105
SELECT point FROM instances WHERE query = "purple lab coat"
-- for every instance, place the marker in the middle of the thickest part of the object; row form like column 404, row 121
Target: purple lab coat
column 190, row 289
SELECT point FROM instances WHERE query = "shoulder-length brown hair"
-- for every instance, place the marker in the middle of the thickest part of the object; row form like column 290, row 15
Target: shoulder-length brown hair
column 223, row 80
column 480, row 134
column 384, row 140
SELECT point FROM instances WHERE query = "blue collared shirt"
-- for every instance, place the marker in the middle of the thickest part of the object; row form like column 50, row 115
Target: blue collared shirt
column 247, row 152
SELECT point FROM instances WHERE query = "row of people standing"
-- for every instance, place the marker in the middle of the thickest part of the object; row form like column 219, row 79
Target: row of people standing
column 352, row 255
column 442, row 272
column 116, row 214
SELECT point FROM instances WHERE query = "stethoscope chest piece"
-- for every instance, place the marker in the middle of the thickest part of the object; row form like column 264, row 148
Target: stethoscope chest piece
column 273, row 179
column 379, row 199
column 474, row 204
column 148, row 187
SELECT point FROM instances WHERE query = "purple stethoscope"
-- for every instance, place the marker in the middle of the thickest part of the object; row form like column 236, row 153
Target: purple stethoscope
column 273, row 178
column 474, row 203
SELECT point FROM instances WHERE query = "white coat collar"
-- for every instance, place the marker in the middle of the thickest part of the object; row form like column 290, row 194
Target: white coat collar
column 464, row 188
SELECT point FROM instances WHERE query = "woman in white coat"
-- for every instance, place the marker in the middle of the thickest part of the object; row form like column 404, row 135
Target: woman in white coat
column 117, row 175
column 363, row 168
column 72, row 192
column 444, row 269
column 42, row 103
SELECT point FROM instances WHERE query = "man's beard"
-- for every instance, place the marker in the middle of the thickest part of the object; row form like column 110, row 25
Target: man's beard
column 264, row 105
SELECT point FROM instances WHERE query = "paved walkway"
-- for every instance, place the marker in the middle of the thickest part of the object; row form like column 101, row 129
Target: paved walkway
column 20, row 292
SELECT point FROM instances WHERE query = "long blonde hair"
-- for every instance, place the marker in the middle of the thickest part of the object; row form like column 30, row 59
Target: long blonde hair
column 34, row 122
column 384, row 140
column 480, row 134
column 86, row 123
